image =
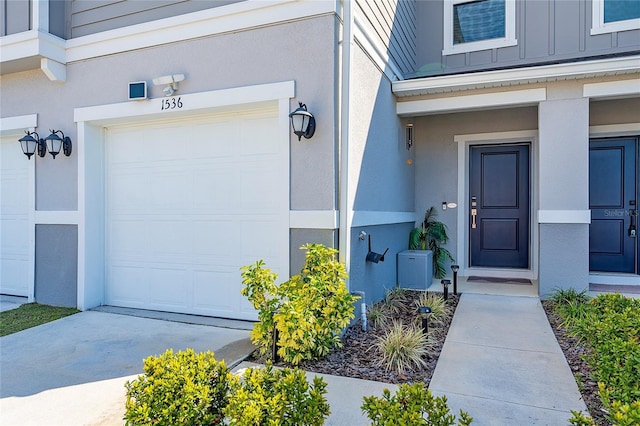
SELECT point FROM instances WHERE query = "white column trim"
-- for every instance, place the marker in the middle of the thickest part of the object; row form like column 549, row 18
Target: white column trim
column 610, row 89
column 564, row 216
column 50, row 217
column 471, row 102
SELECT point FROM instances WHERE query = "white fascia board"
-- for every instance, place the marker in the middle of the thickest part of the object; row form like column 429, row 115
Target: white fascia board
column 32, row 43
column 217, row 20
column 17, row 124
column 564, row 216
column 106, row 114
column 429, row 85
column 314, row 219
column 612, row 89
column 373, row 218
column 69, row 217
column 472, row 102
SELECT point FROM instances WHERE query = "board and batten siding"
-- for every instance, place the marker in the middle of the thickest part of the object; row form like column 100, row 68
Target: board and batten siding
column 15, row 17
column 547, row 31
column 393, row 23
column 94, row 16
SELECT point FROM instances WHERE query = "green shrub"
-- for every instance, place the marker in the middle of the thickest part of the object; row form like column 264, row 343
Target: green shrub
column 379, row 315
column 403, row 347
column 610, row 327
column 439, row 308
column 411, row 405
column 312, row 308
column 267, row 396
column 183, row 388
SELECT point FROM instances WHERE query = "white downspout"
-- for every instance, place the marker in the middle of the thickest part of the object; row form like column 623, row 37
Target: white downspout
column 346, row 209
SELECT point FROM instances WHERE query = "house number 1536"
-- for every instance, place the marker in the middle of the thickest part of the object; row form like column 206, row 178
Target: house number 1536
column 173, row 103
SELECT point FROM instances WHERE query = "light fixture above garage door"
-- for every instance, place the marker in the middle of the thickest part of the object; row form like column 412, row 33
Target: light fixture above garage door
column 303, row 122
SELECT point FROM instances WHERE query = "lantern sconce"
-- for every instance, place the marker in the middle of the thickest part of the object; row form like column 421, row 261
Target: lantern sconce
column 29, row 144
column 303, row 122
column 53, row 143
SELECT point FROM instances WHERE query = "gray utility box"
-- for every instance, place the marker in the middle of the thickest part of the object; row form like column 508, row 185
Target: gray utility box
column 415, row 269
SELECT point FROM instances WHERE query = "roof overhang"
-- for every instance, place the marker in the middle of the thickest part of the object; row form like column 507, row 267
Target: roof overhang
column 517, row 76
column 34, row 50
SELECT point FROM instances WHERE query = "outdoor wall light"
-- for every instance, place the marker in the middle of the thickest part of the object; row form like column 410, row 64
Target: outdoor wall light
column 455, row 269
column 445, row 284
column 303, row 122
column 29, row 144
column 408, row 134
column 424, row 312
column 55, row 143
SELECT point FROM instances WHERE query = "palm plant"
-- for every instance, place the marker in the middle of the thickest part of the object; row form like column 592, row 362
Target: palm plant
column 430, row 236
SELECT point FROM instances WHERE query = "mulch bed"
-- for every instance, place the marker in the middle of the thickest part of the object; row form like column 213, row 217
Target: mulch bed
column 574, row 352
column 358, row 358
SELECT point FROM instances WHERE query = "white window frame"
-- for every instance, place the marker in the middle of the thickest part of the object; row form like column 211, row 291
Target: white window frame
column 598, row 26
column 509, row 38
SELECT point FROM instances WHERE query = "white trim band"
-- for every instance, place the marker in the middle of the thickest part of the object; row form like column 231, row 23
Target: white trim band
column 471, row 102
column 17, row 124
column 564, row 216
column 70, row 217
column 314, row 219
column 612, row 88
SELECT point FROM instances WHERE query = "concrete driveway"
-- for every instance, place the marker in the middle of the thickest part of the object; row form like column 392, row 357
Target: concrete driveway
column 72, row 371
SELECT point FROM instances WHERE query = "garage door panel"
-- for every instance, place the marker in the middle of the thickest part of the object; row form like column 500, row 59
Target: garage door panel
column 128, row 285
column 212, row 291
column 220, row 204
column 169, row 287
column 15, row 191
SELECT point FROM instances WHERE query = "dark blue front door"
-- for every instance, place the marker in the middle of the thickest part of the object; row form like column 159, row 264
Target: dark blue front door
column 499, row 206
column 613, row 200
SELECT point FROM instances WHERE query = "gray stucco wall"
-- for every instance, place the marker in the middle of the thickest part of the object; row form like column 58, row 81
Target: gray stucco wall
column 614, row 112
column 56, row 265
column 564, row 257
column 546, row 31
column 209, row 64
column 375, row 279
column 300, row 237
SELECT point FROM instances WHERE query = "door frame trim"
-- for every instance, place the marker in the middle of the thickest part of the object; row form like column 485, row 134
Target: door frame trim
column 462, row 247
column 605, row 131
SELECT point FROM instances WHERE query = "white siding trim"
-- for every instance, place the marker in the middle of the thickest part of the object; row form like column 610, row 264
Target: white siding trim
column 43, row 217
column 314, row 219
column 234, row 17
column 16, row 125
column 604, row 278
column 428, row 85
column 612, row 88
column 40, row 15
column 471, row 102
column 564, row 216
column 151, row 109
column 32, row 43
column 373, row 218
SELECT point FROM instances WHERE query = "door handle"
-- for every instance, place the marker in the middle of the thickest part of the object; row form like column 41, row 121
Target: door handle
column 474, row 212
column 633, row 228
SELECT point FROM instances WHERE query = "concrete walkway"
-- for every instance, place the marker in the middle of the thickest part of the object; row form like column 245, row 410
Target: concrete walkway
column 502, row 364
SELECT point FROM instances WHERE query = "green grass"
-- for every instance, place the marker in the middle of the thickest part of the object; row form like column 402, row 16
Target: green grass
column 30, row 315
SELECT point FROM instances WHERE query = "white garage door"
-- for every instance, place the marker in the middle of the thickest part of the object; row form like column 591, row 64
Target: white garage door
column 189, row 203
column 14, row 213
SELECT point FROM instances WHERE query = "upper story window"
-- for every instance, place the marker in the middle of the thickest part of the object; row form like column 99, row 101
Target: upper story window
column 615, row 15
column 471, row 25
